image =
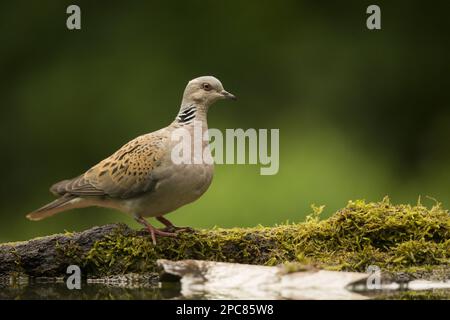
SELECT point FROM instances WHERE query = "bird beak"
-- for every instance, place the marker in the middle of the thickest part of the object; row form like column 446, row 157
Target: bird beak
column 228, row 95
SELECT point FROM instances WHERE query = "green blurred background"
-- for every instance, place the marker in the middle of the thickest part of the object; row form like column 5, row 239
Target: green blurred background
column 362, row 114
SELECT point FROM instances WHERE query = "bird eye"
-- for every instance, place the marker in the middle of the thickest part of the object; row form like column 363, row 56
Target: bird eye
column 206, row 86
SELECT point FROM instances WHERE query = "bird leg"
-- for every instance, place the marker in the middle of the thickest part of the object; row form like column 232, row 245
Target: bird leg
column 170, row 226
column 153, row 231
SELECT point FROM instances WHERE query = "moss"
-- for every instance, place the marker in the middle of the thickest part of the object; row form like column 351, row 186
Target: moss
column 393, row 237
column 71, row 250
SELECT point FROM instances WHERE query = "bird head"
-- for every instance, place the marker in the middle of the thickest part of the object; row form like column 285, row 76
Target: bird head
column 205, row 91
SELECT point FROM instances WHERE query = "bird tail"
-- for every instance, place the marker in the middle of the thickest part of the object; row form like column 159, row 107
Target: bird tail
column 60, row 204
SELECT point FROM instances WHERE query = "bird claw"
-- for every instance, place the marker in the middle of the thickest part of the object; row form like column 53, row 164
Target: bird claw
column 156, row 232
column 176, row 230
column 162, row 233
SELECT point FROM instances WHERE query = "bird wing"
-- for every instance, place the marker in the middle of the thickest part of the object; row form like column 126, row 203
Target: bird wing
column 125, row 174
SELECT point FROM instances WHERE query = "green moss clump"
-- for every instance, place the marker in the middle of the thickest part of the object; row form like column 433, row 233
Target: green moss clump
column 393, row 237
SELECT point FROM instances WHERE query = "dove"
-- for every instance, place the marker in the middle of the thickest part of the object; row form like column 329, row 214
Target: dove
column 140, row 179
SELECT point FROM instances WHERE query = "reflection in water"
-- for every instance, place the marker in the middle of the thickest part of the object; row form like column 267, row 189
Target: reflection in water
column 89, row 291
column 166, row 290
column 433, row 294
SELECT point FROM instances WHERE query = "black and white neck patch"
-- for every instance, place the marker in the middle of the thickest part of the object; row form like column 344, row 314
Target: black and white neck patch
column 187, row 115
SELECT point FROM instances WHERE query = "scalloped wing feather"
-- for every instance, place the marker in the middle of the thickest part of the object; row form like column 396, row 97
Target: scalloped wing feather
column 125, row 174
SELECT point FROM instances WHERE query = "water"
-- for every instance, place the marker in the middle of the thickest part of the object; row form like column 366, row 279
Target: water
column 33, row 290
column 90, row 291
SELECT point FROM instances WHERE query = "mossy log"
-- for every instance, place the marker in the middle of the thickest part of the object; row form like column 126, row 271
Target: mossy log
column 412, row 240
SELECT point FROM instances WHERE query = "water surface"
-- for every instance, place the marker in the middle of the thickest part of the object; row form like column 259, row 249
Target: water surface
column 38, row 290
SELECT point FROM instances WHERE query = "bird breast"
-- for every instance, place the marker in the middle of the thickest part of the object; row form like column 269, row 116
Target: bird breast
column 177, row 185
column 183, row 185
